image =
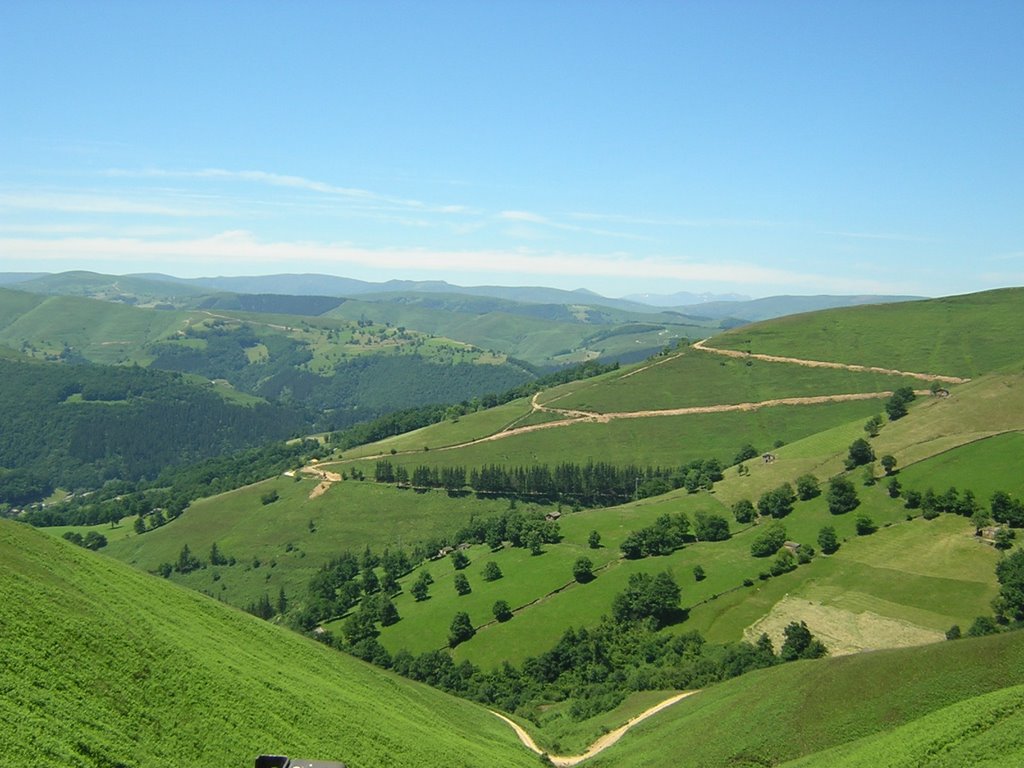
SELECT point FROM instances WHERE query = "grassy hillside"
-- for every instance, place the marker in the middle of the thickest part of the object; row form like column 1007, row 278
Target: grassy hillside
column 350, row 515
column 104, row 666
column 799, row 710
column 959, row 335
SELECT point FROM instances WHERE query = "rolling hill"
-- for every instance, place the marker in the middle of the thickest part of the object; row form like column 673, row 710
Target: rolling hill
column 903, row 581
column 104, row 666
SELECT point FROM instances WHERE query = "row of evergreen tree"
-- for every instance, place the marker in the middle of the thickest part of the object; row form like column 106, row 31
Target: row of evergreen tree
column 590, row 484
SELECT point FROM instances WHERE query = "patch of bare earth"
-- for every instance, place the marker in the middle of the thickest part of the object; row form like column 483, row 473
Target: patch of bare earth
column 843, row 632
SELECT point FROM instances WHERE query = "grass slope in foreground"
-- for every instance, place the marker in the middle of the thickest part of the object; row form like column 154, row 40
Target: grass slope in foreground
column 104, row 666
column 801, row 709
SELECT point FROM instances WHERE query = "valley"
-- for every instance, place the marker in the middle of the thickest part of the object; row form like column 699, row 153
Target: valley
column 555, row 500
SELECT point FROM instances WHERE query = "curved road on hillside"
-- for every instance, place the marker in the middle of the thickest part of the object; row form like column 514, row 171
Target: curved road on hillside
column 701, row 345
column 563, row 761
column 582, row 417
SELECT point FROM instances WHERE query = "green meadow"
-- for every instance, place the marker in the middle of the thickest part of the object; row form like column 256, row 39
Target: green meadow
column 956, row 336
column 802, row 709
column 695, row 378
column 106, row 666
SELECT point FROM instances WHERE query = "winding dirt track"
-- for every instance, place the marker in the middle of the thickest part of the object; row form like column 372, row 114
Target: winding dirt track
column 826, row 364
column 602, row 743
column 570, row 417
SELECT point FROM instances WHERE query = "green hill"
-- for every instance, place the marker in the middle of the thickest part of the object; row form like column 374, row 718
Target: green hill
column 949, row 698
column 959, row 335
column 104, row 666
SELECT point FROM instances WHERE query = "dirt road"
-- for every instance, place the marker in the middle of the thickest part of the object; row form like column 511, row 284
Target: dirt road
column 826, row 364
column 602, row 743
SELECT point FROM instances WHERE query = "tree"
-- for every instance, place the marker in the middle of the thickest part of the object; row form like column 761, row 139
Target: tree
column 583, row 570
column 777, row 502
column 981, row 626
column 799, row 643
column 1004, row 538
column 864, row 525
column 698, row 573
column 888, row 463
column 419, row 588
column 746, row 451
column 744, row 512
column 767, row 542
column 594, row 540
column 710, row 527
column 873, row 425
column 282, row 601
column 894, row 488
column 896, row 405
column 842, row 496
column 187, row 562
column 534, row 541
column 860, row 453
column 140, row 524
column 462, row 584
column 807, row 487
column 269, row 497
column 491, row 571
column 827, row 540
column 646, row 597
column 388, row 613
column 784, row 563
column 461, row 629
column 371, row 583
column 459, row 559
column 1009, row 603
column 502, row 611
column 216, row 558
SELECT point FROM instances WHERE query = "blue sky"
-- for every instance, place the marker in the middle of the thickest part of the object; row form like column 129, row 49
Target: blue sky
column 750, row 147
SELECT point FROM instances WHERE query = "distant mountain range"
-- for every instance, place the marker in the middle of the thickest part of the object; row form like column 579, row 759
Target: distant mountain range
column 732, row 308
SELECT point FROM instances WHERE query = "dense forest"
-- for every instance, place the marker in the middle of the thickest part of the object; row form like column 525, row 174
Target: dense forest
column 77, row 426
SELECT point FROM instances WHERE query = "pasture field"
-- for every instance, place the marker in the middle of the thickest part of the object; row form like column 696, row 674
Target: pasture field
column 957, row 336
column 985, row 466
column 473, row 426
column 660, row 440
column 103, row 332
column 350, row 515
column 928, row 575
column 799, row 710
column 986, row 730
column 696, row 378
column 107, row 666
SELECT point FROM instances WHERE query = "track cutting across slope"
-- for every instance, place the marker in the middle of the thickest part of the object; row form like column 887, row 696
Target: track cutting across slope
column 564, row 761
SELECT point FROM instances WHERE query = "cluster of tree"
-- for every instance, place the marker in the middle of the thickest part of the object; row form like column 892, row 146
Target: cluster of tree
column 264, row 609
column 664, row 536
column 1006, row 509
column 530, row 529
column 951, row 501
column 596, row 668
column 91, row 540
column 648, row 597
column 338, row 585
column 896, row 405
column 778, row 502
column 841, row 496
column 591, row 484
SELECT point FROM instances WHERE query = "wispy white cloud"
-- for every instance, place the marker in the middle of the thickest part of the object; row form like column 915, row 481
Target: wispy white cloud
column 86, row 202
column 289, row 182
